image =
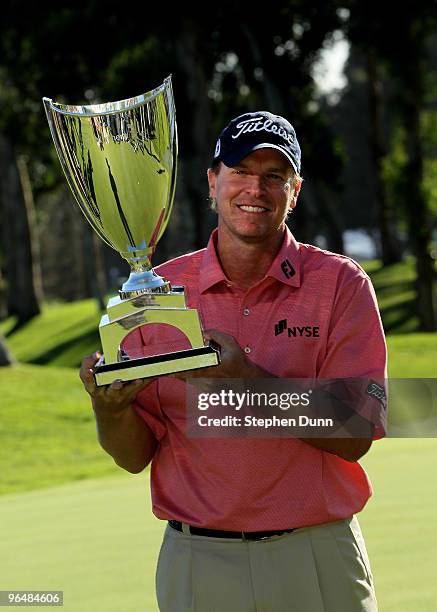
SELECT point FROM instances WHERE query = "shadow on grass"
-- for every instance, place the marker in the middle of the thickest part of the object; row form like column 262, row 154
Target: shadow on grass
column 401, row 268
column 16, row 327
column 393, row 288
column 399, row 318
column 88, row 338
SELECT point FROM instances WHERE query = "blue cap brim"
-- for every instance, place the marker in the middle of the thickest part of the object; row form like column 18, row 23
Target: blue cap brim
column 237, row 156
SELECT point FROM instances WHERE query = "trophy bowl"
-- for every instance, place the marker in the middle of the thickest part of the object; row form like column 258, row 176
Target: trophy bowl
column 120, row 161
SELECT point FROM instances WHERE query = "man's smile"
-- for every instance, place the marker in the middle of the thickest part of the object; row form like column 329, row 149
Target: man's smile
column 252, row 209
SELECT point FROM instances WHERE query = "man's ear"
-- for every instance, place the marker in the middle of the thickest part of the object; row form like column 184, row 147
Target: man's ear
column 296, row 190
column 212, row 179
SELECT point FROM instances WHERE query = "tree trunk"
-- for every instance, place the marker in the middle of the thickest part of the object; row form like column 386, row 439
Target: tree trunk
column 3, row 309
column 418, row 213
column 22, row 264
column 93, row 266
column 273, row 99
column 99, row 267
column 200, row 133
column 390, row 250
column 328, row 206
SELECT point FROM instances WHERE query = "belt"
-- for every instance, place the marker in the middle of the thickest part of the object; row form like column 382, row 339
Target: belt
column 238, row 535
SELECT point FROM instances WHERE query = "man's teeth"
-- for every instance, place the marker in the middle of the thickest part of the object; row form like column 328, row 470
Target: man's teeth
column 253, row 209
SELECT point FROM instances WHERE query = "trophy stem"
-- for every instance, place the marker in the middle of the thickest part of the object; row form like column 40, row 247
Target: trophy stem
column 144, row 281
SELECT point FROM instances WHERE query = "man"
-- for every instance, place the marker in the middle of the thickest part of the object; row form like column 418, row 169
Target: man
column 256, row 524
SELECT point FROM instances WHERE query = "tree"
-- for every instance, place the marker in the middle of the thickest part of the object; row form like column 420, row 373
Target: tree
column 412, row 73
column 390, row 249
column 404, row 54
column 220, row 67
column 21, row 255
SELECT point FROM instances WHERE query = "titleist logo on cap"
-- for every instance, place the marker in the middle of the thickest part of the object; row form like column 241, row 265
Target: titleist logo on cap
column 258, row 125
column 252, row 131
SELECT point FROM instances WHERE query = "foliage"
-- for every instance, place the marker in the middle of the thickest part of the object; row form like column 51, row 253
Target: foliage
column 393, row 165
column 42, row 56
column 224, row 61
column 429, row 139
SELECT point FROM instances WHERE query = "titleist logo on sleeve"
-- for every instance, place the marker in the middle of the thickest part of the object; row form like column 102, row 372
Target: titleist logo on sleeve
column 257, row 124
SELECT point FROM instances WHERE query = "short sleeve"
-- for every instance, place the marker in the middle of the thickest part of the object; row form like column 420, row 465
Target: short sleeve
column 356, row 347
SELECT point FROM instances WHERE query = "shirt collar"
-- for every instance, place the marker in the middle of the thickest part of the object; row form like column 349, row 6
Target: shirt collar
column 285, row 268
column 211, row 271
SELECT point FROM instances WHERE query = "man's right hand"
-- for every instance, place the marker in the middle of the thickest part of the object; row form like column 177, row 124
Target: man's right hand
column 115, row 397
column 122, row 433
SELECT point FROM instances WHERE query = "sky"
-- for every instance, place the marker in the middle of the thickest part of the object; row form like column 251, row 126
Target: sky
column 328, row 70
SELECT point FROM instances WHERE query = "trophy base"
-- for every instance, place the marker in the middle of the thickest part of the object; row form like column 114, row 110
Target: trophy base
column 158, row 365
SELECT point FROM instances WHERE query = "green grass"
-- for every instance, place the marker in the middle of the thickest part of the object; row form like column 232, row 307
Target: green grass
column 47, row 429
column 61, row 335
column 412, row 355
column 399, row 523
column 98, row 541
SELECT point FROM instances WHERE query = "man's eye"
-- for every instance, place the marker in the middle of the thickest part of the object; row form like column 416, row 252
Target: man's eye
column 275, row 177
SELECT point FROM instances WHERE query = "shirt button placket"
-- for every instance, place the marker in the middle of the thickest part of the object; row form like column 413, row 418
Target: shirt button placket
column 246, row 312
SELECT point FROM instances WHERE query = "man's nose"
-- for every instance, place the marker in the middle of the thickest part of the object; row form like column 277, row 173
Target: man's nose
column 255, row 183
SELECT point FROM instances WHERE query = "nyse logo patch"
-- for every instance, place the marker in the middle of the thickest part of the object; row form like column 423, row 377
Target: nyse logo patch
column 297, row 331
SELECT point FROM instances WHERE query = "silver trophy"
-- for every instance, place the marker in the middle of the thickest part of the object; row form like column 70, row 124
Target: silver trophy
column 120, row 161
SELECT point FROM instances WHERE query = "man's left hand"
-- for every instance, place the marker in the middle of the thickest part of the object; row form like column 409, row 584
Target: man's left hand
column 233, row 361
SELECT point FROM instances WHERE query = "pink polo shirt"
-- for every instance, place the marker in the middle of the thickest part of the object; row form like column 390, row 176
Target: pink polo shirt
column 256, row 484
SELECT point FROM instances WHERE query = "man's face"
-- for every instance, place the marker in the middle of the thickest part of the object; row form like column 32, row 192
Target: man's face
column 254, row 197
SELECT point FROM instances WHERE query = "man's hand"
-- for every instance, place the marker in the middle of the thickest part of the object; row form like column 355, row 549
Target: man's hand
column 233, row 363
column 122, row 433
column 113, row 398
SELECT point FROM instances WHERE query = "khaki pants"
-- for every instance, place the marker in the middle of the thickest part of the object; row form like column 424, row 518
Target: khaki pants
column 315, row 569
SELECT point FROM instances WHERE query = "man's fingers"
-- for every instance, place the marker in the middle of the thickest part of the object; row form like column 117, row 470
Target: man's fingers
column 88, row 363
column 90, row 360
column 118, row 391
column 136, row 386
column 126, row 391
column 86, row 373
column 224, row 340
